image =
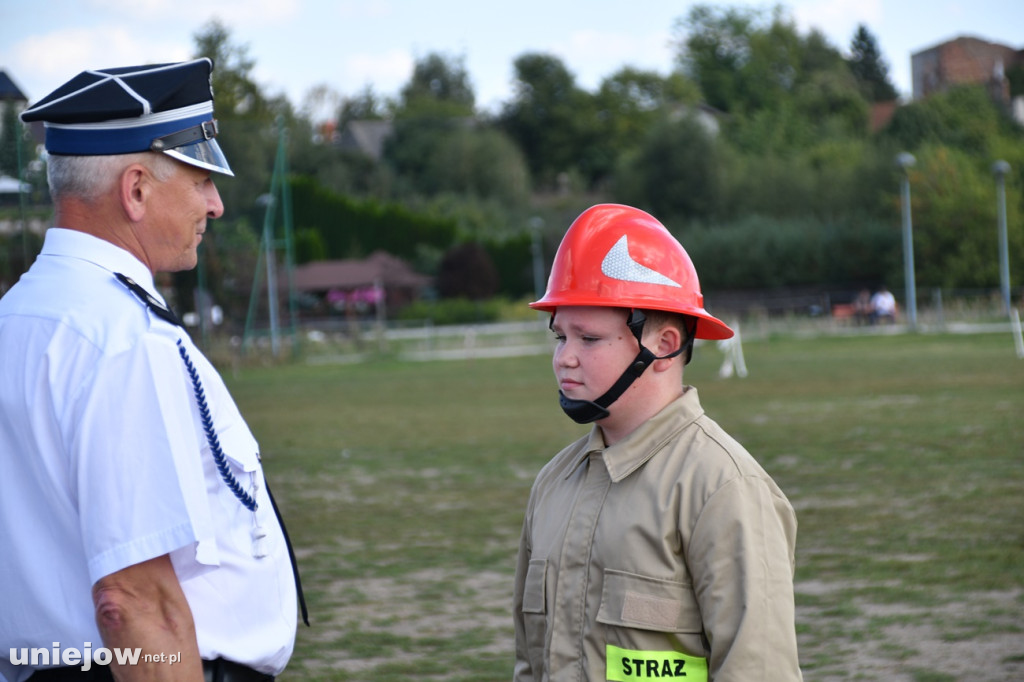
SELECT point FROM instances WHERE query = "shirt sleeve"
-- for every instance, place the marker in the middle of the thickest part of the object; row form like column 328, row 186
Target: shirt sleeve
column 523, row 671
column 136, row 464
column 741, row 560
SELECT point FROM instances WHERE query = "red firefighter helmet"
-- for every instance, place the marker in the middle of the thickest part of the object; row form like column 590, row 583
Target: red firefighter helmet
column 619, row 256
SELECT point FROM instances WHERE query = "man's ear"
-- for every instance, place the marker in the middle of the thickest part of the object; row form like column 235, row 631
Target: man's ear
column 135, row 185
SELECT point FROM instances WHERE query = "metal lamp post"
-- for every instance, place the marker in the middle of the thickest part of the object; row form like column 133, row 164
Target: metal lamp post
column 1001, row 168
column 905, row 160
column 536, row 224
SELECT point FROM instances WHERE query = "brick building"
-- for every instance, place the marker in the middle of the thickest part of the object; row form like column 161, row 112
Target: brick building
column 966, row 60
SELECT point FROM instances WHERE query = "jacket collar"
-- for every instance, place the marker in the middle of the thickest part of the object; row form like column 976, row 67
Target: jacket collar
column 633, row 451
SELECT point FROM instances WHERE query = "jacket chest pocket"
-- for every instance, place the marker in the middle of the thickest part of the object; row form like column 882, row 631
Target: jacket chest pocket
column 535, row 616
column 635, row 601
column 534, row 590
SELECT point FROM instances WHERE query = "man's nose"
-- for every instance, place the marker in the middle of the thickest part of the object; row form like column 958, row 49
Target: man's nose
column 214, row 205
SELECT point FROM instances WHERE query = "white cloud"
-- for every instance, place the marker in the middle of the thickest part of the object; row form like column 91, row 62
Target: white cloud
column 594, row 55
column 837, row 19
column 55, row 57
column 136, row 9
column 386, row 72
column 186, row 13
column 359, row 9
column 254, row 12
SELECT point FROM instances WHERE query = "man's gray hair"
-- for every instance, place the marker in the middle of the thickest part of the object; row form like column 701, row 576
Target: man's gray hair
column 89, row 177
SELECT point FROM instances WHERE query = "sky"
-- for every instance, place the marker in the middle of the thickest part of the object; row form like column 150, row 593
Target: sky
column 348, row 45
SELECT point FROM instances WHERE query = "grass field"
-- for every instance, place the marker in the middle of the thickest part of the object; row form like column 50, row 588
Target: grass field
column 404, row 486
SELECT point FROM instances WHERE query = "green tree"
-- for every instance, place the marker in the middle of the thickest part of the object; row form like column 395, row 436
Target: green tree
column 776, row 65
column 954, row 216
column 869, row 68
column 248, row 134
column 748, row 61
column 826, row 106
column 14, row 147
column 964, row 117
column 479, row 162
column 229, row 254
column 674, row 173
column 1015, row 74
column 235, row 91
column 316, row 155
column 366, row 105
column 833, row 179
column 320, row 103
column 438, row 84
column 817, row 54
column 831, row 104
column 714, row 51
column 436, row 104
column 784, row 91
column 628, row 103
column 552, row 120
column 342, row 171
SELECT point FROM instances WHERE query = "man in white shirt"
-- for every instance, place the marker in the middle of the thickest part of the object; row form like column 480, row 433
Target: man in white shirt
column 883, row 305
column 134, row 515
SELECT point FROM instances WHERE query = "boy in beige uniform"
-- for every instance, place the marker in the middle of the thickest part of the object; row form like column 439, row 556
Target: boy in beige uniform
column 656, row 547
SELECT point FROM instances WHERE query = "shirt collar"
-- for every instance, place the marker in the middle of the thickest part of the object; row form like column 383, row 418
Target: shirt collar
column 630, row 453
column 64, row 243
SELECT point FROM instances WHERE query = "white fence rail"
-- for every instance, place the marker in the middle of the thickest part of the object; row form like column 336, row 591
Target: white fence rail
column 339, row 342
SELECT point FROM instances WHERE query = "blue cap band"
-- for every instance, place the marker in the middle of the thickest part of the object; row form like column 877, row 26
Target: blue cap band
column 111, row 138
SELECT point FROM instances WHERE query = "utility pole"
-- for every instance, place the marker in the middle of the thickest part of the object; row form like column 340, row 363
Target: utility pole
column 905, row 160
column 1001, row 168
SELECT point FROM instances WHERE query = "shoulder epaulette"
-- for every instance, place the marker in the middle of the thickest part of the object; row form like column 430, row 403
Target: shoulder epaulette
column 151, row 302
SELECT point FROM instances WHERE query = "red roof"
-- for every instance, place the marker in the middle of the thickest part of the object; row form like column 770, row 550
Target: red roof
column 380, row 268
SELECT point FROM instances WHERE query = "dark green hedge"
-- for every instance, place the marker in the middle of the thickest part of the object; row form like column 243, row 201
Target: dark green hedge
column 355, row 229
column 765, row 253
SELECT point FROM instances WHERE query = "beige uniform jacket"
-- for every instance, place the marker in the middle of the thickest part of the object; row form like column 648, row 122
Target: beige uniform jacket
column 669, row 555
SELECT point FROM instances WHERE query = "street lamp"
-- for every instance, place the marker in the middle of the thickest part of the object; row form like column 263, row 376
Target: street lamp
column 536, row 224
column 905, row 160
column 1001, row 168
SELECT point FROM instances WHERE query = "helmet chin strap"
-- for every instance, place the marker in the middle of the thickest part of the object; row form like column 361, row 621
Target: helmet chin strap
column 587, row 411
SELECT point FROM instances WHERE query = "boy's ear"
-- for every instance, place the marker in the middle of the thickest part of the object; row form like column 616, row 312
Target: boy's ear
column 667, row 339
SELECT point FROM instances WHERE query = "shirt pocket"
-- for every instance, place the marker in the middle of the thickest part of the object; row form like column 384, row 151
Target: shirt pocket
column 635, row 601
column 534, row 588
column 240, row 448
column 242, row 466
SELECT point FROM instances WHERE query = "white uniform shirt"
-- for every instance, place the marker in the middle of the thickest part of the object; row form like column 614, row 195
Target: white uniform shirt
column 883, row 303
column 104, row 464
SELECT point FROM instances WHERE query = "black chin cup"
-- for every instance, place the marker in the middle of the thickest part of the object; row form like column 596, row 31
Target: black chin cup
column 582, row 411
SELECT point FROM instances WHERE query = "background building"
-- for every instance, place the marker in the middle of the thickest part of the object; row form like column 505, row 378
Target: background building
column 968, row 60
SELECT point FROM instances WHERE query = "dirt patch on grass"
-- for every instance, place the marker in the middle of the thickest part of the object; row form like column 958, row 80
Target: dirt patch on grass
column 383, row 621
column 977, row 637
column 411, row 618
